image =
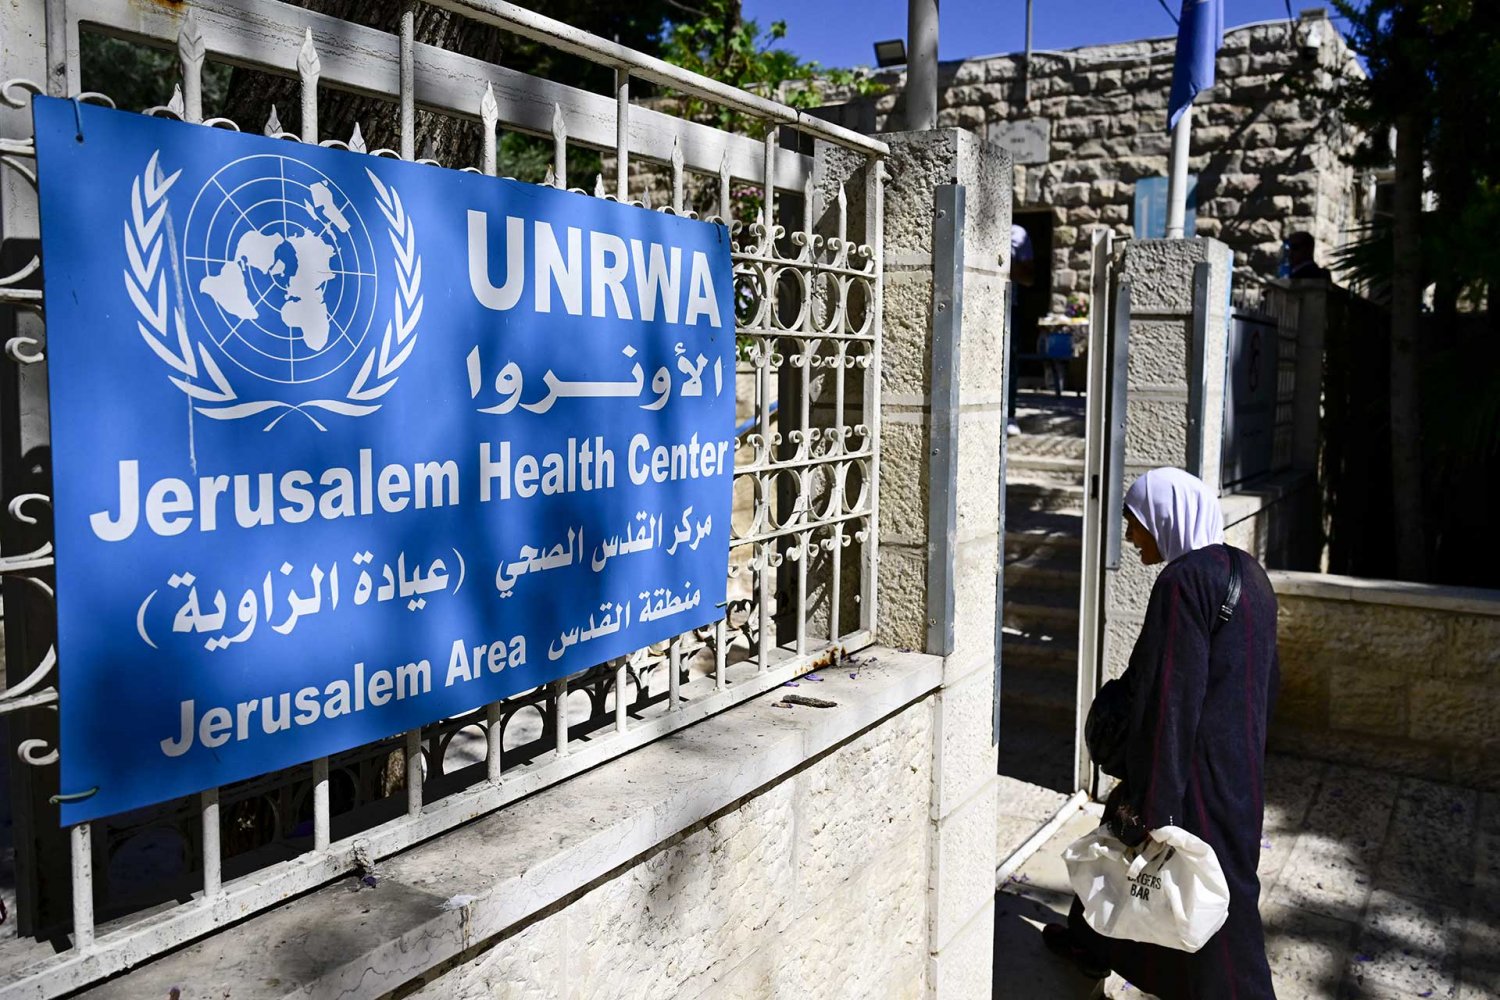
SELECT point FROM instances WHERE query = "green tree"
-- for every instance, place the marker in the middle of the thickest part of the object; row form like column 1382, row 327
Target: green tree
column 719, row 43
column 1427, row 60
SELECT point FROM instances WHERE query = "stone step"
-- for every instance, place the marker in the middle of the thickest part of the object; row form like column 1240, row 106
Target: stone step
column 1043, row 612
column 1061, row 422
column 1020, row 544
column 1052, row 470
column 1044, row 533
column 1044, row 571
column 1024, row 493
column 1044, row 522
column 1047, row 446
column 1040, row 696
column 1041, row 651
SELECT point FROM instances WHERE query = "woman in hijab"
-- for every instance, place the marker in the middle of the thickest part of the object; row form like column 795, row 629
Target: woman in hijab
column 1195, row 750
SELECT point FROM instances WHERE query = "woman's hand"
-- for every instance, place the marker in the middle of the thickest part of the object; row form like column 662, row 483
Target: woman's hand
column 1122, row 819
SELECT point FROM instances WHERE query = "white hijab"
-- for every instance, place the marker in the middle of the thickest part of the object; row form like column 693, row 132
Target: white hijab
column 1178, row 509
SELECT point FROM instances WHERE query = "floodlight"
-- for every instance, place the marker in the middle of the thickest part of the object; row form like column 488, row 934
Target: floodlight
column 891, row 53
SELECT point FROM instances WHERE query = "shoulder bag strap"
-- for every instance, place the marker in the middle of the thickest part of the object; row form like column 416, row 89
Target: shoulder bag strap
column 1232, row 597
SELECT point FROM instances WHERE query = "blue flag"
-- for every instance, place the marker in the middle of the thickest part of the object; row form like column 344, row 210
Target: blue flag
column 1200, row 33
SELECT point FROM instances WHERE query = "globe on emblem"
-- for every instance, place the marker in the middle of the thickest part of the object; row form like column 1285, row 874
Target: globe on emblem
column 280, row 268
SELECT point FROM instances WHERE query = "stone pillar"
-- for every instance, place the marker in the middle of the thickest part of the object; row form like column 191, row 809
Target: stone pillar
column 970, row 399
column 1171, row 309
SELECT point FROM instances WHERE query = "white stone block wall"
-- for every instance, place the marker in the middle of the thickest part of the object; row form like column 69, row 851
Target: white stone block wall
column 816, row 887
column 963, row 808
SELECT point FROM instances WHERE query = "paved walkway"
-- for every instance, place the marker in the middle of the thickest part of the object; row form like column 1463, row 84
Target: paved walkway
column 1372, row 886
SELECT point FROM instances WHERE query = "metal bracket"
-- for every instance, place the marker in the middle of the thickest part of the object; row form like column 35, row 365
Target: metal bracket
column 1114, row 470
column 1007, row 372
column 942, row 506
column 1197, row 369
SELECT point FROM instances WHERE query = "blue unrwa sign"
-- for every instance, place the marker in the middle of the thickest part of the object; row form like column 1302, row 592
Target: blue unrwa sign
column 344, row 445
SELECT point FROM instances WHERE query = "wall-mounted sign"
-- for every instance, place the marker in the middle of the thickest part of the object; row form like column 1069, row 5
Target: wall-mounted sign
column 343, row 445
column 1028, row 139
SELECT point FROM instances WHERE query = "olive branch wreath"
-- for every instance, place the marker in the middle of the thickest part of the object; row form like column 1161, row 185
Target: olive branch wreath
column 146, row 281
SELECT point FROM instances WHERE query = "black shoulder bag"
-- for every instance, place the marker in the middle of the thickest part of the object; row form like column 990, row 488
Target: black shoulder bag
column 1107, row 729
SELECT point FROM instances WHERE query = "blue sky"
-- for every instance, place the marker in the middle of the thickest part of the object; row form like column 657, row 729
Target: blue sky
column 841, row 32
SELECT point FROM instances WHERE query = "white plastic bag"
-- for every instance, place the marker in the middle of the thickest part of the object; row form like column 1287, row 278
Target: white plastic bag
column 1171, row 892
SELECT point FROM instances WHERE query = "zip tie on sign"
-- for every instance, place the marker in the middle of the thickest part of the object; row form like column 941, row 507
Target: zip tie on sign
column 62, row 797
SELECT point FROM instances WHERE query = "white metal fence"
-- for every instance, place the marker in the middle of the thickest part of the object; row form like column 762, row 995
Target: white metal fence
column 1260, row 383
column 806, row 472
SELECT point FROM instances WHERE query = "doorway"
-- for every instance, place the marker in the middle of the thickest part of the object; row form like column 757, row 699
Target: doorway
column 1054, row 475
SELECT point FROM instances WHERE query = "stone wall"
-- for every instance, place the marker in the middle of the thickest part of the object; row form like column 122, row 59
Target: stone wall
column 1267, row 148
column 1392, row 675
column 769, row 851
column 815, row 887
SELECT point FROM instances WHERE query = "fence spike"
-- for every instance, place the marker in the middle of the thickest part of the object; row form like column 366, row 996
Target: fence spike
column 191, row 53
column 357, row 140
column 843, row 214
column 273, row 124
column 677, row 181
column 768, row 194
column 724, row 211
column 489, row 108
column 622, row 135
column 408, row 81
column 559, row 146
column 175, row 105
column 308, row 63
column 599, row 191
column 807, row 210
column 309, row 68
column 489, row 114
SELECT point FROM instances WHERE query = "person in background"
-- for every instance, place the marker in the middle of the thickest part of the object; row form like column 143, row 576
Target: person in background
column 1196, row 743
column 1300, row 264
column 1023, row 273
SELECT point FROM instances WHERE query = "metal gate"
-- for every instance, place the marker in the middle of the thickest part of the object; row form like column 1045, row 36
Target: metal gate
column 1103, row 477
column 98, row 898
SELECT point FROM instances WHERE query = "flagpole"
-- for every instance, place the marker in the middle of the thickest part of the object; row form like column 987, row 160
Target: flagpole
column 922, row 64
column 1177, row 180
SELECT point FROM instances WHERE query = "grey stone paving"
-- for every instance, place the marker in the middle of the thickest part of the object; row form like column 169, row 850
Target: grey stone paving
column 1372, row 886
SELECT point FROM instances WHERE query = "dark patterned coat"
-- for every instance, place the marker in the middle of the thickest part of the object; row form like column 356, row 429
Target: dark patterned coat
column 1196, row 760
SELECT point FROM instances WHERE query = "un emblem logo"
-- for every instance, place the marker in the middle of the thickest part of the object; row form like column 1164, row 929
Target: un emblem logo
column 280, row 268
column 283, row 276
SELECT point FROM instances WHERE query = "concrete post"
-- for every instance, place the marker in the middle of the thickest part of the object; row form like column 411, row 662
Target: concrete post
column 971, row 394
column 1175, row 407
